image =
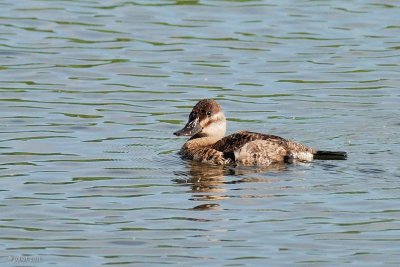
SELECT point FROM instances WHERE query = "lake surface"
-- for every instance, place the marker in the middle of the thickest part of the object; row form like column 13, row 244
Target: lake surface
column 91, row 92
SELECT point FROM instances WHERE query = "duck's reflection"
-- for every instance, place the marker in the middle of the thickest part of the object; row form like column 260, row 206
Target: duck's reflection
column 209, row 182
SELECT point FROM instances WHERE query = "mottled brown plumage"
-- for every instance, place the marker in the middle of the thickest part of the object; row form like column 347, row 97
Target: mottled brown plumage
column 251, row 148
column 207, row 126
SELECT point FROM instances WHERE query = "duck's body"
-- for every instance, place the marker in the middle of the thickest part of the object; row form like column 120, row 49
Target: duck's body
column 207, row 126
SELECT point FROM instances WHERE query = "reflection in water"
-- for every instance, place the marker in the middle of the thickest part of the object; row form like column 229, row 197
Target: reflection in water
column 209, row 182
column 206, row 183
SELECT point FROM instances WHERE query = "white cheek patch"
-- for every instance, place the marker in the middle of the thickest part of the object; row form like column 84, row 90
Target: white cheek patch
column 216, row 125
column 217, row 116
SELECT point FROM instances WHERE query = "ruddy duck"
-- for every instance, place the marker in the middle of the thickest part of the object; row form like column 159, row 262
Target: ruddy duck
column 207, row 144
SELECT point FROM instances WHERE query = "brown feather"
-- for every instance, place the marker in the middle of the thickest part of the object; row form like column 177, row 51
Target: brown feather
column 262, row 149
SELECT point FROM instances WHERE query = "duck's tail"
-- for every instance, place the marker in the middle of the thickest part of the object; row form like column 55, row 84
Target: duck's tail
column 330, row 155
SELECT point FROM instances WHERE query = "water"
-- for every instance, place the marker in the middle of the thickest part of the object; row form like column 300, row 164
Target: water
column 91, row 92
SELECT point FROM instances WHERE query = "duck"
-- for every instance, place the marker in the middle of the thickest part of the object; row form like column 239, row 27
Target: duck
column 206, row 127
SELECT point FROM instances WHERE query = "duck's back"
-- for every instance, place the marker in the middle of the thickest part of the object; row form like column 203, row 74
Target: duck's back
column 251, row 148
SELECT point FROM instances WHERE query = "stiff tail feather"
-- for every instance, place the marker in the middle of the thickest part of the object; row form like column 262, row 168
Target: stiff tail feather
column 330, row 155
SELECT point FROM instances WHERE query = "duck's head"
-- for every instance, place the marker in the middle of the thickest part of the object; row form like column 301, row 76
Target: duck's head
column 206, row 119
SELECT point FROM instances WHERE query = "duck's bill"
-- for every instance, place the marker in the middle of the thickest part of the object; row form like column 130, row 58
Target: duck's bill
column 191, row 128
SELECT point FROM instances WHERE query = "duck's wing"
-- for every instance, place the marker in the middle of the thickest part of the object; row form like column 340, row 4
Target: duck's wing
column 237, row 140
column 231, row 143
column 262, row 146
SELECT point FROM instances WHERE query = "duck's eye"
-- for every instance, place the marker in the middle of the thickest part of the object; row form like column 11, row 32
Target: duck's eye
column 208, row 113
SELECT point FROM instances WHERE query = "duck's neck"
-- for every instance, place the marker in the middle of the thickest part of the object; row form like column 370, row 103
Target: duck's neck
column 202, row 140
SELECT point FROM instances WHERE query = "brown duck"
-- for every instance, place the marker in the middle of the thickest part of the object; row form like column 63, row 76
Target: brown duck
column 207, row 144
